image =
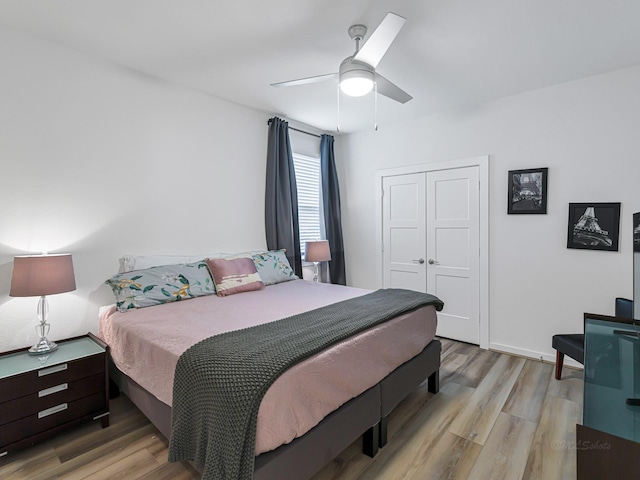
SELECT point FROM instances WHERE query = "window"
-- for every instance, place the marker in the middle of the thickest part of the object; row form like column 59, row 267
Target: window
column 309, row 210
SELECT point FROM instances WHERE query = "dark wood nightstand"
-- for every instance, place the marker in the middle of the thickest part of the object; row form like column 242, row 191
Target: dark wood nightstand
column 43, row 395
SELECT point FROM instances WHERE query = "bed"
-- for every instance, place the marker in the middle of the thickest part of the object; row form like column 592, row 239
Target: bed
column 315, row 409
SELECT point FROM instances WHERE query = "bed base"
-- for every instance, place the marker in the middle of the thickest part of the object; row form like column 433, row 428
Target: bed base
column 306, row 455
column 403, row 380
column 366, row 416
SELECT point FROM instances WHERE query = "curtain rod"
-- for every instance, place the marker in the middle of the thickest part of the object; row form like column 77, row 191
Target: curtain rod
column 308, row 133
column 298, row 130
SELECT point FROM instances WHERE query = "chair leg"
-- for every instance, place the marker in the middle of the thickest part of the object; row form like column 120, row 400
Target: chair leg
column 559, row 362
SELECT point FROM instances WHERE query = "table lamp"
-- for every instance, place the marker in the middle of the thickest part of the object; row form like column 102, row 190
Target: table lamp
column 39, row 276
column 317, row 251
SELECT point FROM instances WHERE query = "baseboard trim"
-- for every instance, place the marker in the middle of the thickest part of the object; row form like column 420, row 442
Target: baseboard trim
column 533, row 355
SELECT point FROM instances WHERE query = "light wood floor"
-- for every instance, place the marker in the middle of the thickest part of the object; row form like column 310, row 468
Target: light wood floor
column 496, row 417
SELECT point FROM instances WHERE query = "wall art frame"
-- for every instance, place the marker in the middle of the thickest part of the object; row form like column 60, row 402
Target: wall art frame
column 527, row 191
column 594, row 226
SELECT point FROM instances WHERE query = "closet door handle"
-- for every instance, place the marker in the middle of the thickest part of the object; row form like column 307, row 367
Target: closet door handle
column 433, row 262
column 420, row 261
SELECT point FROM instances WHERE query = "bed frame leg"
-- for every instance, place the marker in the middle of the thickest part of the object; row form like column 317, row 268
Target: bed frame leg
column 433, row 383
column 114, row 390
column 370, row 440
column 383, row 432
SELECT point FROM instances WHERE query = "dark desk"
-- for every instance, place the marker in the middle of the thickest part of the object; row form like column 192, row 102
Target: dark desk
column 607, row 444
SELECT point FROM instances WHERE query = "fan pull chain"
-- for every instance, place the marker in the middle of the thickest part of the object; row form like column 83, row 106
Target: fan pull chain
column 375, row 106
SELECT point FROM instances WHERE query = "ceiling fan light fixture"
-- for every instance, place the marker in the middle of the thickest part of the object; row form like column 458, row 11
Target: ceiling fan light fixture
column 356, row 78
column 356, row 83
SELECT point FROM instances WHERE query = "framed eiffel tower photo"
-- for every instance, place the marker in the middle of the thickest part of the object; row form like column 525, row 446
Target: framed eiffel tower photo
column 594, row 226
column 527, row 191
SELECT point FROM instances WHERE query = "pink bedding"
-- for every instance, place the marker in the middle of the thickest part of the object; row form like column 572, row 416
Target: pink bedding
column 145, row 345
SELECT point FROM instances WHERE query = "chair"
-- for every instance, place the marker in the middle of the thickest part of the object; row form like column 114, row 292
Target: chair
column 624, row 308
column 572, row 344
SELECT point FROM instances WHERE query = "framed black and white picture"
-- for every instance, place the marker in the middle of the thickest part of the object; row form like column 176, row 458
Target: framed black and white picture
column 528, row 191
column 636, row 232
column 594, row 226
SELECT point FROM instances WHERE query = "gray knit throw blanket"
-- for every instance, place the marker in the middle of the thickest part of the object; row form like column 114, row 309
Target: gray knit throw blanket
column 219, row 382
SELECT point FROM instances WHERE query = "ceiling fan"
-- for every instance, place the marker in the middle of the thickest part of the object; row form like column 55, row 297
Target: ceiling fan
column 357, row 74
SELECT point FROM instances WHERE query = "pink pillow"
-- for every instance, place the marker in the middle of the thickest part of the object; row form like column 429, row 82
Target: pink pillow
column 234, row 275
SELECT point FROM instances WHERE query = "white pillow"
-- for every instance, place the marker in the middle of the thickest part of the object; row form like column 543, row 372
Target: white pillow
column 129, row 263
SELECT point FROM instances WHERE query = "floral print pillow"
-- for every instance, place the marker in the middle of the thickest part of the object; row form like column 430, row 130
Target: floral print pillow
column 158, row 285
column 273, row 267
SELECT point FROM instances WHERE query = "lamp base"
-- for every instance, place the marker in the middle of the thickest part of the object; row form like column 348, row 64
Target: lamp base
column 43, row 347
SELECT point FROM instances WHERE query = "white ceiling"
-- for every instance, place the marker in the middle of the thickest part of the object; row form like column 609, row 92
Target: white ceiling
column 450, row 53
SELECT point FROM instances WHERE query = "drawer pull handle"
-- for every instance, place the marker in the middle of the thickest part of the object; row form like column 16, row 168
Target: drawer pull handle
column 3, row 453
column 52, row 410
column 101, row 415
column 54, row 369
column 56, row 389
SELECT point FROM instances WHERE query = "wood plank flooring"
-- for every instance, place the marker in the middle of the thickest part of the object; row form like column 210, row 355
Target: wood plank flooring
column 496, row 417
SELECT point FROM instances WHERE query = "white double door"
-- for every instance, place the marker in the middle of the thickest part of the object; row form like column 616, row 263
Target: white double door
column 431, row 243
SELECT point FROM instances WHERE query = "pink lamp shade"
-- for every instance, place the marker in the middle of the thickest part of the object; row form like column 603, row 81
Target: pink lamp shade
column 38, row 275
column 317, row 251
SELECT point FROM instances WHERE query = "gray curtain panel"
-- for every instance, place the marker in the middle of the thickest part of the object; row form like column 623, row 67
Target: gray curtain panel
column 281, row 195
column 331, row 206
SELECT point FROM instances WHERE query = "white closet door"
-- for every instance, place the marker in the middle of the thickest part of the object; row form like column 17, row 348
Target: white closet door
column 403, row 227
column 453, row 250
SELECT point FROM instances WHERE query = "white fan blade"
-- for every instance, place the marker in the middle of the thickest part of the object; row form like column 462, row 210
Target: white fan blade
column 388, row 89
column 304, row 81
column 380, row 40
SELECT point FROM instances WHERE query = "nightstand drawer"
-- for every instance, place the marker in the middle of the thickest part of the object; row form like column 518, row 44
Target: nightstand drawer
column 49, row 397
column 47, row 377
column 51, row 417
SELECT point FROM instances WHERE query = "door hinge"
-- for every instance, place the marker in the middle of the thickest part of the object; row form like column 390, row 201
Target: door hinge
column 382, row 193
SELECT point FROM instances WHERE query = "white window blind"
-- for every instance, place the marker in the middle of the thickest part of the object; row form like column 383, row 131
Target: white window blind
column 308, row 182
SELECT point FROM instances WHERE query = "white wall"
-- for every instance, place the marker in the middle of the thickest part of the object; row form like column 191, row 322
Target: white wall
column 586, row 132
column 100, row 161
